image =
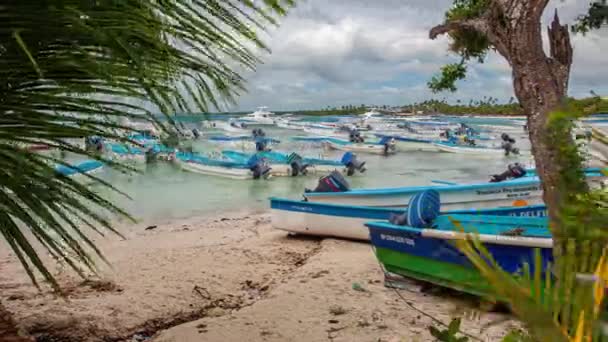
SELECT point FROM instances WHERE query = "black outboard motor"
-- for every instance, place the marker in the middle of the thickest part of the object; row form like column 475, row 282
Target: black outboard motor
column 349, row 160
column 355, row 137
column 513, row 171
column 259, row 167
column 196, row 133
column 298, row 167
column 507, row 144
column 258, row 132
column 260, row 145
column 334, row 182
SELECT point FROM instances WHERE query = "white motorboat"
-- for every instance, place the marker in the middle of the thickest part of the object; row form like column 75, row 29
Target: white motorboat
column 260, row 117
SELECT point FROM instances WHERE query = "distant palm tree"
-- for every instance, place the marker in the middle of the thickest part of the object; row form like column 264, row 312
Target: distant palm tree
column 71, row 69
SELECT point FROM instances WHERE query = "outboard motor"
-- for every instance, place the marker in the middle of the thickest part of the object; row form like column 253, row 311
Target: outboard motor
column 334, row 182
column 196, row 133
column 297, row 165
column 507, row 144
column 261, row 144
column 259, row 167
column 469, row 141
column 355, row 137
column 513, row 171
column 258, row 132
column 152, row 155
column 389, row 144
column 349, row 159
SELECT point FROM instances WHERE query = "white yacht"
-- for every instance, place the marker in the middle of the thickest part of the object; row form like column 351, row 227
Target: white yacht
column 260, row 117
column 372, row 113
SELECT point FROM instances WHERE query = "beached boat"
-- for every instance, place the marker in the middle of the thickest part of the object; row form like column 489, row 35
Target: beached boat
column 346, row 221
column 253, row 169
column 519, row 192
column 384, row 146
column 429, row 254
column 79, row 171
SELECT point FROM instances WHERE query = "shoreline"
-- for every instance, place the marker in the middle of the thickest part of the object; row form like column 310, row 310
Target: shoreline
column 232, row 277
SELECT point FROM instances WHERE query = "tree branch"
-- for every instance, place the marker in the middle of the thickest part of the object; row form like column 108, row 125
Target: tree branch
column 480, row 25
column 559, row 39
column 561, row 48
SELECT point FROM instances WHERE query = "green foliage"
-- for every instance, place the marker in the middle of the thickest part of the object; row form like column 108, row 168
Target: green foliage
column 449, row 334
column 555, row 305
column 466, row 43
column 449, row 75
column 466, row 9
column 596, row 17
column 469, row 44
column 72, row 69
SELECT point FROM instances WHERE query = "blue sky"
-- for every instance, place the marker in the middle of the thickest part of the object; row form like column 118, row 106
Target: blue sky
column 339, row 52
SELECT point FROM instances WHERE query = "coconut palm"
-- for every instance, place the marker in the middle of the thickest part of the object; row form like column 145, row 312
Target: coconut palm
column 71, row 69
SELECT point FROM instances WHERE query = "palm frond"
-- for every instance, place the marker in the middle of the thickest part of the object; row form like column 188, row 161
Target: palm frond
column 72, row 69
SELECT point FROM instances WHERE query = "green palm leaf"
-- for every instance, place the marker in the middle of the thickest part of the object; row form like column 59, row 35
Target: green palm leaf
column 71, row 69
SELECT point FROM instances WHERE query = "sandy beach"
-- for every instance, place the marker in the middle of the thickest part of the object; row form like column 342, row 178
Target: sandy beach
column 234, row 278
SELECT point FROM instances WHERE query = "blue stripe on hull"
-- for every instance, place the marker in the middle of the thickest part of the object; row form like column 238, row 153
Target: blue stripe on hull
column 374, row 213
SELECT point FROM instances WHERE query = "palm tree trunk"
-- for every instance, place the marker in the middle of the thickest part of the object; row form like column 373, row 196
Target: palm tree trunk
column 8, row 328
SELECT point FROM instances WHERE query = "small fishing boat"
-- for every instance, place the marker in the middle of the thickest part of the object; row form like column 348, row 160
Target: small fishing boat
column 348, row 222
column 425, row 251
column 255, row 168
column 385, row 146
column 515, row 192
column 79, row 171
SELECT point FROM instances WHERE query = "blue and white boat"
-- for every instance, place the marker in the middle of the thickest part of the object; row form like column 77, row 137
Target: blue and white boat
column 254, row 168
column 427, row 252
column 348, row 221
column 79, row 171
column 521, row 191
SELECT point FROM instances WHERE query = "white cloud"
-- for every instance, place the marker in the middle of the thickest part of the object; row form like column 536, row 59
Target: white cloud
column 378, row 52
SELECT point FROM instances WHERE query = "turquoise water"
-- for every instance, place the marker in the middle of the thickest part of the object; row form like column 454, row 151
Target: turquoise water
column 165, row 192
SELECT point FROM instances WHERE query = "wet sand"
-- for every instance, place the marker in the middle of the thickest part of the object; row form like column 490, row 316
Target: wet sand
column 234, row 278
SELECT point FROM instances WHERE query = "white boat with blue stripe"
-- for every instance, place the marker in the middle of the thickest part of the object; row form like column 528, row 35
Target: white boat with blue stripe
column 520, row 191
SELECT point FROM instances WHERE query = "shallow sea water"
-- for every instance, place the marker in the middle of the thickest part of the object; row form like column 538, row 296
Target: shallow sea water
column 165, row 192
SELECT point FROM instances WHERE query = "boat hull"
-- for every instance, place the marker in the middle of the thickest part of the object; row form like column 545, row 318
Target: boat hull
column 468, row 150
column 457, row 197
column 414, row 253
column 212, row 170
column 348, row 222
